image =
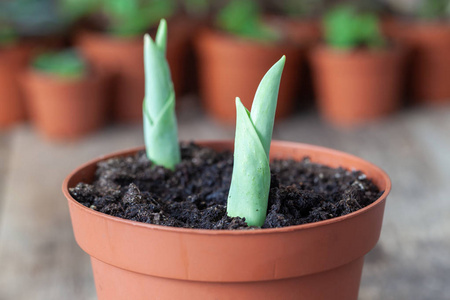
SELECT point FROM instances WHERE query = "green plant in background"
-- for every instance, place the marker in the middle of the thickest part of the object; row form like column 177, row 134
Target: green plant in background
column 160, row 124
column 134, row 17
column 67, row 64
column 243, row 18
column 346, row 28
column 7, row 35
column 434, row 10
column 250, row 182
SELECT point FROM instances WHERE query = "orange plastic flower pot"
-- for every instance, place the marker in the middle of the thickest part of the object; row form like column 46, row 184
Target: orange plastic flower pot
column 13, row 60
column 65, row 109
column 357, row 86
column 322, row 260
column 430, row 44
column 231, row 66
column 304, row 31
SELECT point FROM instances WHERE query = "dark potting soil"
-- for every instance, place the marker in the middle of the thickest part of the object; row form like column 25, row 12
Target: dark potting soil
column 195, row 194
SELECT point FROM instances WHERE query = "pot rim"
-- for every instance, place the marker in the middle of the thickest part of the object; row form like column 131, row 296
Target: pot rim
column 93, row 74
column 391, row 50
column 223, row 37
column 224, row 232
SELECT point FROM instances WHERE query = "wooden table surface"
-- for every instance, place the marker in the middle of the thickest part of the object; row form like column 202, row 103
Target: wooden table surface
column 39, row 258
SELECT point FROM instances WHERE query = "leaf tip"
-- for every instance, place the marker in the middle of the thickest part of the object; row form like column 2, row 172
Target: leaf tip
column 163, row 24
column 280, row 63
column 161, row 35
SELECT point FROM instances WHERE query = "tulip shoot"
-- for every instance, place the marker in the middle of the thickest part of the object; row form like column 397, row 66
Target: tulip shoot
column 250, row 182
column 160, row 124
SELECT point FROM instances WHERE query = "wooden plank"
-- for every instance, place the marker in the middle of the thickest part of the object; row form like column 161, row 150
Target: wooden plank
column 5, row 138
column 38, row 254
column 411, row 260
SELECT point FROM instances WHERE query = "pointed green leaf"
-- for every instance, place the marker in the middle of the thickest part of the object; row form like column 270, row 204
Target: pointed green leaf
column 265, row 103
column 160, row 126
column 250, row 182
column 161, row 36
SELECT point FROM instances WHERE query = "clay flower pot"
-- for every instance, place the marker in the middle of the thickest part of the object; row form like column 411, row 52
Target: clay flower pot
column 13, row 60
column 230, row 67
column 65, row 108
column 122, row 57
column 322, row 260
column 430, row 70
column 306, row 32
column 356, row 86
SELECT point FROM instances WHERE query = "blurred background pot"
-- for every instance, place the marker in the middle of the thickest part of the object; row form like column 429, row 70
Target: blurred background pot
column 430, row 62
column 13, row 60
column 299, row 19
column 231, row 67
column 424, row 27
column 357, row 86
column 234, row 54
column 307, row 33
column 358, row 73
column 322, row 260
column 65, row 106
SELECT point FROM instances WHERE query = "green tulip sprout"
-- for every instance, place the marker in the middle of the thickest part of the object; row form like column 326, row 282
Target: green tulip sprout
column 66, row 64
column 133, row 17
column 346, row 27
column 160, row 124
column 250, row 182
column 244, row 18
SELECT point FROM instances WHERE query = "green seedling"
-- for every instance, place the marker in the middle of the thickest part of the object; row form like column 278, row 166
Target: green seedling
column 67, row 64
column 160, row 124
column 243, row 18
column 347, row 28
column 250, row 182
column 134, row 17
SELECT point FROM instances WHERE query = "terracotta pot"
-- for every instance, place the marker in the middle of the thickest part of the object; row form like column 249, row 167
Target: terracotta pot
column 357, row 86
column 307, row 33
column 122, row 57
column 430, row 70
column 393, row 31
column 13, row 60
column 65, row 109
column 322, row 260
column 230, row 67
